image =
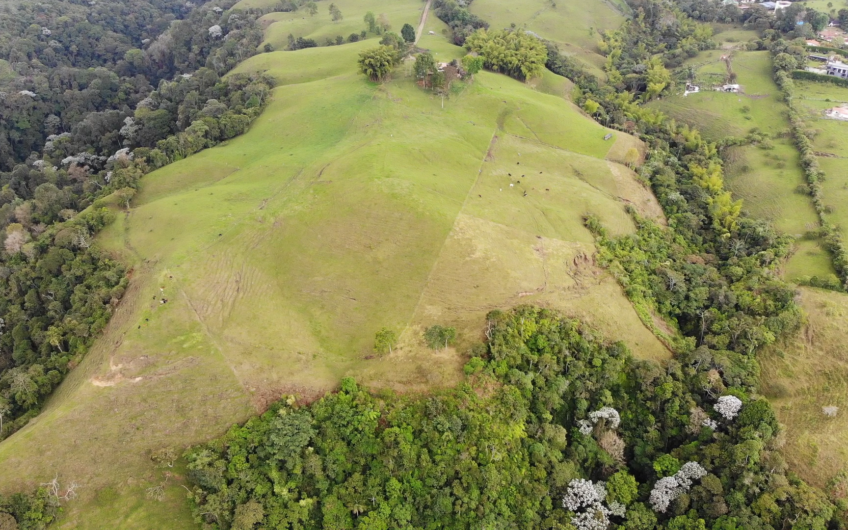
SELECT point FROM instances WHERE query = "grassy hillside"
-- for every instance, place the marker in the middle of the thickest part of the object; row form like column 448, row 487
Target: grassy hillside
column 573, row 24
column 320, row 27
column 805, row 374
column 266, row 265
column 766, row 179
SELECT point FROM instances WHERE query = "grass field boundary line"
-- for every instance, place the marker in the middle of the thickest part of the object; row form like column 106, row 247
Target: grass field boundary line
column 453, row 226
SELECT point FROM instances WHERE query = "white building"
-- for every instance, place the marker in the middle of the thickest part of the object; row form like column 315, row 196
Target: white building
column 838, row 69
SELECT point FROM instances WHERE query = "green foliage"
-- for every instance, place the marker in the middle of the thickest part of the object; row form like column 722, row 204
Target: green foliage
column 57, row 295
column 458, row 18
column 424, row 67
column 408, row 33
column 371, row 22
column 818, row 78
column 377, row 63
column 817, row 20
column 514, row 53
column 622, row 487
column 472, row 64
column 785, row 62
column 638, row 53
column 335, row 12
column 666, row 466
column 384, row 341
column 27, row 511
column 438, row 337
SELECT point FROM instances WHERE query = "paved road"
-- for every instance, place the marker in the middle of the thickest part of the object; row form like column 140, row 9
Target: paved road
column 423, row 20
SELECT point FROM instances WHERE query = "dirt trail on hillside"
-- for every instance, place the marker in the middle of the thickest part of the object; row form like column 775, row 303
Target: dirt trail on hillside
column 423, row 20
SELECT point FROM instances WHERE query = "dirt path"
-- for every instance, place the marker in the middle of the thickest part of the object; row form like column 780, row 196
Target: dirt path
column 423, row 20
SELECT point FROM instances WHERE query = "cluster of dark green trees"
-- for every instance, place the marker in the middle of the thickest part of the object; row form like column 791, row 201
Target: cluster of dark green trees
column 456, row 15
column 27, row 511
column 514, row 53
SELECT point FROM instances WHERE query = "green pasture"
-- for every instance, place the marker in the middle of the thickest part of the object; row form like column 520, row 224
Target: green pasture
column 265, row 266
column 320, row 27
column 730, row 36
column 805, row 373
column 822, row 5
column 827, row 92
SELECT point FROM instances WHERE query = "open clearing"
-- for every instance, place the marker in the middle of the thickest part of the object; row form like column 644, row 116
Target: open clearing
column 806, row 373
column 575, row 25
column 266, row 265
column 767, row 180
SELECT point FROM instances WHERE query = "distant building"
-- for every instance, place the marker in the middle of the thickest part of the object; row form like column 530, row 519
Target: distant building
column 818, row 57
column 811, row 42
column 769, row 5
column 691, row 89
column 837, row 69
column 837, row 113
column 781, row 4
column 730, row 88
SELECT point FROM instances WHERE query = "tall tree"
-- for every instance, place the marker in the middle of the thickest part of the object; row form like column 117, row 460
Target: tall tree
column 377, row 63
column 408, row 33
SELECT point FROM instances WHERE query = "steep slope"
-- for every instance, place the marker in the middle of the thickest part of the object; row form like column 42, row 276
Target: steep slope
column 267, row 265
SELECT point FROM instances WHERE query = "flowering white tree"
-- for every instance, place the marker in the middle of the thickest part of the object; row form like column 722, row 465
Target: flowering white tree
column 586, row 499
column 728, row 406
column 669, row 488
column 596, row 518
column 585, row 427
column 609, row 414
column 583, row 493
column 215, row 31
column 711, row 423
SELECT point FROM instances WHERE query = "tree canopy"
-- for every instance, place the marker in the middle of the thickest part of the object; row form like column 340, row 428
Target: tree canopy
column 514, row 53
column 377, row 63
